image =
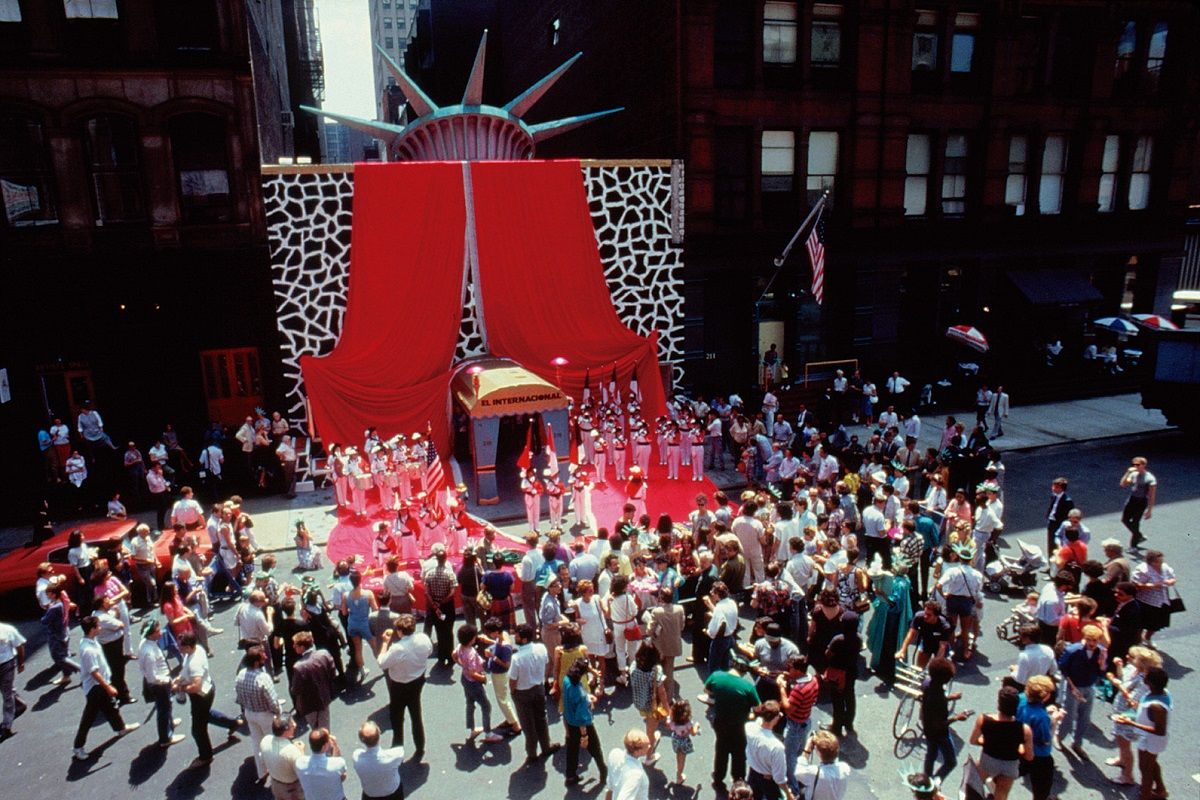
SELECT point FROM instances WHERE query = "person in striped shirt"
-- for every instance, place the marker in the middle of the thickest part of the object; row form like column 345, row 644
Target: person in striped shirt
column 797, row 695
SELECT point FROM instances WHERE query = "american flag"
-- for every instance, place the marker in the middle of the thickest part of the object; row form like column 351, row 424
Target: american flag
column 816, row 253
column 435, row 475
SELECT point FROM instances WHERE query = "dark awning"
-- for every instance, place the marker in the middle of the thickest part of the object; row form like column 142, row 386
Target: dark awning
column 1055, row 287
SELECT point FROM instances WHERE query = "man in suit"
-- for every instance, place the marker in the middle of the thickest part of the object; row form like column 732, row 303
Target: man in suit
column 1060, row 506
column 998, row 407
column 1125, row 629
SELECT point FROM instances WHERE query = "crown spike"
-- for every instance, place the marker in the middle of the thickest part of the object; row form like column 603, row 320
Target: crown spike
column 546, row 130
column 473, row 95
column 526, row 100
column 371, row 127
column 420, row 102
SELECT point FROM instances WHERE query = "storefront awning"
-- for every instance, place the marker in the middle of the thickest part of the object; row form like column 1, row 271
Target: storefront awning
column 1055, row 287
column 494, row 387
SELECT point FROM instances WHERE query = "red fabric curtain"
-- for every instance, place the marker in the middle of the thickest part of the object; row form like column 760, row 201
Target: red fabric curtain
column 542, row 282
column 391, row 366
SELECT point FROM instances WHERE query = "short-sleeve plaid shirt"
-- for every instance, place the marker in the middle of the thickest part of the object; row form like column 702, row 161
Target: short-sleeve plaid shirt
column 256, row 691
column 440, row 583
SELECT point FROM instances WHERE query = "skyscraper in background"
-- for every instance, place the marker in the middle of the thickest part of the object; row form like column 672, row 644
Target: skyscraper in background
column 392, row 27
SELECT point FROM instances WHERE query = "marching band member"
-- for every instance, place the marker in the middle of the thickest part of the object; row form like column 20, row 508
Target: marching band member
column 400, row 479
column 341, row 479
column 532, row 488
column 458, row 519
column 581, row 496
column 697, row 448
column 380, row 474
column 661, row 435
column 360, row 479
column 410, row 533
column 635, row 490
column 433, row 521
column 371, row 440
column 685, row 440
column 673, row 442
column 554, row 492
column 417, row 465
column 585, row 433
column 618, row 448
column 385, row 543
column 641, row 448
column 601, row 462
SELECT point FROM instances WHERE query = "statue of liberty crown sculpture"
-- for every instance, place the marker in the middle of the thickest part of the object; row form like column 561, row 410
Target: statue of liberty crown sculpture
column 470, row 130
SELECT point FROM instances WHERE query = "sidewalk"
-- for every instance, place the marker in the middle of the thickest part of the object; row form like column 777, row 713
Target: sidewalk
column 1027, row 428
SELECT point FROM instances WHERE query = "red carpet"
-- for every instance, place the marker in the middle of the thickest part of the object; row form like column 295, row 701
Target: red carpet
column 663, row 496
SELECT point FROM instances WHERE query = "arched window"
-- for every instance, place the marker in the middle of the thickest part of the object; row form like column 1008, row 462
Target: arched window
column 110, row 143
column 26, row 182
column 199, row 149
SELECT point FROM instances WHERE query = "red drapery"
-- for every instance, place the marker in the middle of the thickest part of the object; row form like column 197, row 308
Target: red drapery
column 391, row 366
column 542, row 284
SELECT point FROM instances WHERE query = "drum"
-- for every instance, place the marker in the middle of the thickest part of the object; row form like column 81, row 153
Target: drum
column 393, row 480
column 361, row 481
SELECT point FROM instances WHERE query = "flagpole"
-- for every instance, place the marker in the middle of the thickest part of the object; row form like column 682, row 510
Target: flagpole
column 812, row 215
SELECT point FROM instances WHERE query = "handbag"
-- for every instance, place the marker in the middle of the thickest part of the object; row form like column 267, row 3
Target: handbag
column 1175, row 604
column 484, row 599
column 835, row 677
column 633, row 633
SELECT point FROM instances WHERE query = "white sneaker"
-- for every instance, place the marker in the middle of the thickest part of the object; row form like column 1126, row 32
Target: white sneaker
column 129, row 728
column 175, row 723
column 492, row 738
column 176, row 739
column 80, row 754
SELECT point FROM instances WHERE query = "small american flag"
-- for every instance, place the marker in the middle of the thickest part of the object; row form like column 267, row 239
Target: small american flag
column 435, row 475
column 816, row 253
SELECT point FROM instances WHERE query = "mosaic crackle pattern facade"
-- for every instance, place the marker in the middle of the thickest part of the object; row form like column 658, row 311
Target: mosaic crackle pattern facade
column 309, row 219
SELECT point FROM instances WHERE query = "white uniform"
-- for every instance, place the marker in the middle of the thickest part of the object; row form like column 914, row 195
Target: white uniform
column 697, row 453
column 619, row 449
column 601, row 459
column 356, row 469
column 554, row 493
column 581, row 501
column 533, row 502
column 379, row 475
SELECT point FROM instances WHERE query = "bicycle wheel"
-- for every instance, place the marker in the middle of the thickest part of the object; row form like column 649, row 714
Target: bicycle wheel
column 902, row 721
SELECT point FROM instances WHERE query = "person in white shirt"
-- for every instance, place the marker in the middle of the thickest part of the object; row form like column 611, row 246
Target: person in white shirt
column 766, row 760
column 187, row 511
column 100, row 695
column 156, row 683
column 896, row 387
column 322, row 773
column 527, row 676
column 76, row 468
column 279, row 754
column 212, row 458
column 770, row 408
column 1034, row 659
column 998, row 408
column 287, row 459
column 245, row 435
column 12, row 661
column 912, row 427
column 160, row 493
column 786, row 527
column 829, row 779
column 378, row 769
column 403, row 662
column 722, row 627
column 626, row 775
column 527, row 571
column 889, row 419
column 749, row 532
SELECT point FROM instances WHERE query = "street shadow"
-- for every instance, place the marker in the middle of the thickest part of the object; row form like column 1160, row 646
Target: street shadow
column 527, row 782
column 1175, row 670
column 853, row 752
column 245, row 784
column 906, row 745
column 47, row 699
column 470, row 757
column 146, row 763
column 189, row 783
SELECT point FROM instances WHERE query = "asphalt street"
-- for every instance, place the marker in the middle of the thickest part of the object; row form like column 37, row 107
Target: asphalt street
column 36, row 762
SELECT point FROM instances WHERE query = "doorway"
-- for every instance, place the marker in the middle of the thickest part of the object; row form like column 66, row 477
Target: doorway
column 64, row 390
column 232, row 383
column 770, row 332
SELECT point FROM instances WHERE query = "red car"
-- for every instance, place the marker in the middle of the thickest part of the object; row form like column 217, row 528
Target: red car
column 18, row 568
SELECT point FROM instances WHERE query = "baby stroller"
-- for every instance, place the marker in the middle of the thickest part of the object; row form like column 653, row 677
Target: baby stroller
column 1010, row 629
column 1021, row 571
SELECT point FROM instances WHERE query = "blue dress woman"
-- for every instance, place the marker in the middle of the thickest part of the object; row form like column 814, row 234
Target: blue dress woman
column 891, row 614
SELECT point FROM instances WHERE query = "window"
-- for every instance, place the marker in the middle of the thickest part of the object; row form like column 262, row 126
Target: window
column 25, row 179
column 1156, row 53
column 387, row 23
column 925, row 42
column 1108, row 174
column 555, row 27
column 1126, row 46
column 198, row 148
column 399, row 24
column 826, row 45
column 111, row 147
column 1027, row 55
column 916, row 168
column 954, row 176
column 10, row 10
column 778, row 161
column 779, row 33
column 387, row 3
column 962, row 46
column 1139, row 178
column 1054, row 169
column 731, row 154
column 1018, row 174
column 90, row 9
column 822, row 162
column 733, row 44
column 187, row 25
column 388, row 42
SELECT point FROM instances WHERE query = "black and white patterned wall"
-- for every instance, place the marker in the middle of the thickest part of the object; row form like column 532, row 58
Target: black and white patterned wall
column 638, row 230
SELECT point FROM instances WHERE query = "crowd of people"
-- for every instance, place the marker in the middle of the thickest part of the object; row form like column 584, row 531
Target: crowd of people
column 854, row 558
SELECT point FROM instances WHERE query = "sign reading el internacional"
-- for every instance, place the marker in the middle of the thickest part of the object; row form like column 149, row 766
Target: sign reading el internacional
column 492, row 387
